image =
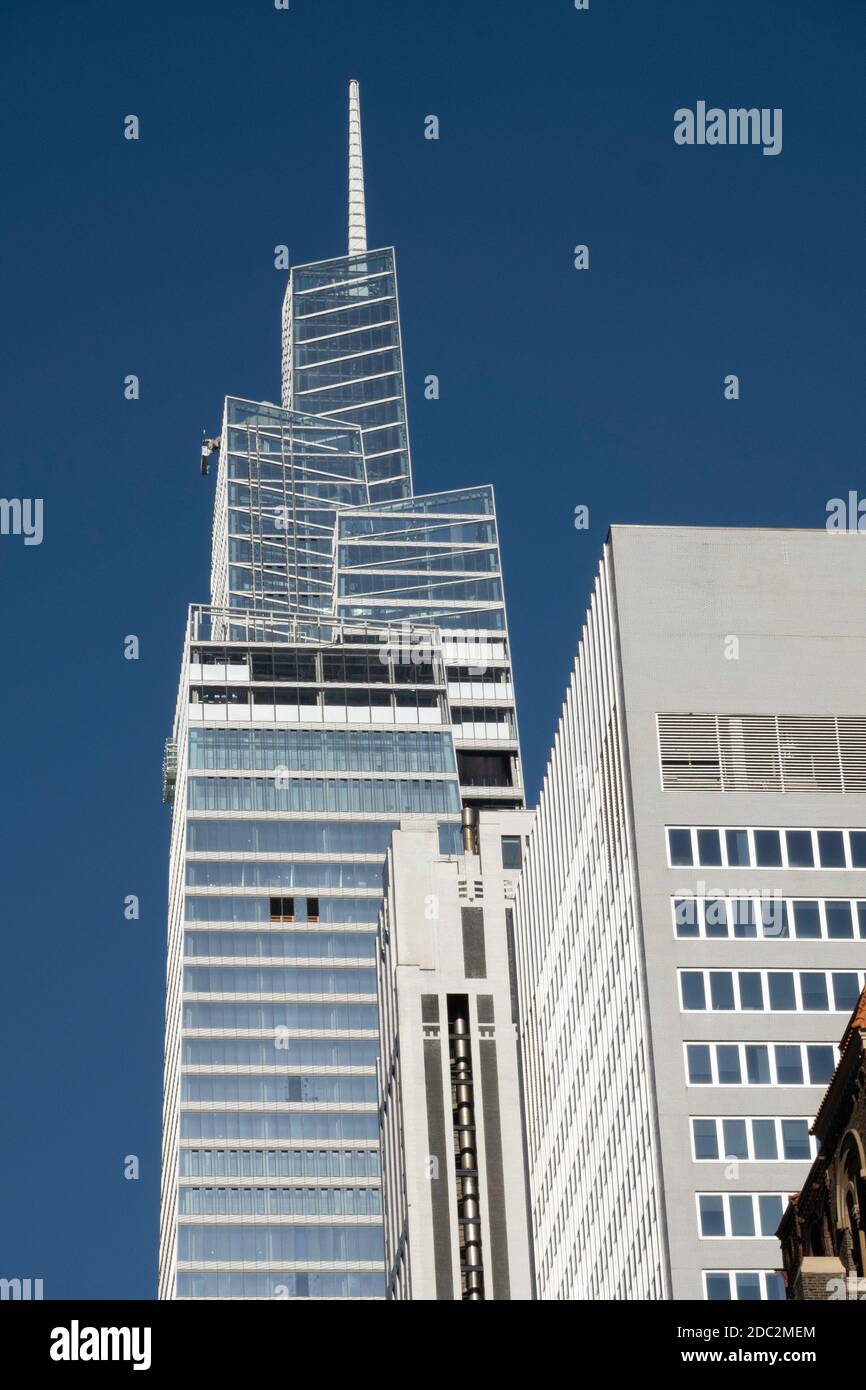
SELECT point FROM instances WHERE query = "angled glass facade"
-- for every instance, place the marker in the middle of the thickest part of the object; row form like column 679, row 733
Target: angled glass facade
column 351, row 672
column 342, row 358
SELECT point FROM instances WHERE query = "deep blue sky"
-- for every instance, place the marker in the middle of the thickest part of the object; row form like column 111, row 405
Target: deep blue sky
column 559, row 387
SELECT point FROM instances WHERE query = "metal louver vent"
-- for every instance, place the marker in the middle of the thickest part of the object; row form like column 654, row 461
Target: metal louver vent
column 762, row 752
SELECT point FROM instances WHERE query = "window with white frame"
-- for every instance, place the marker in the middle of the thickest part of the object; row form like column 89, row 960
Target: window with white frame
column 739, row 1215
column 714, row 917
column 759, row 1064
column 752, row 1140
column 770, row 991
column 744, row 1285
column 758, row 847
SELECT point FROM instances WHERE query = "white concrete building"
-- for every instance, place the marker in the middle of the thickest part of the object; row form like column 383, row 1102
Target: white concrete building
column 453, row 1171
column 691, row 918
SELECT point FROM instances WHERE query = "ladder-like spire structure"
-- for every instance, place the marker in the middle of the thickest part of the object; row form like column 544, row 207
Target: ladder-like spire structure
column 357, row 208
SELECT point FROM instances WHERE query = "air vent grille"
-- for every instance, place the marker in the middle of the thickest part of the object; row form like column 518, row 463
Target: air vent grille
column 762, row 752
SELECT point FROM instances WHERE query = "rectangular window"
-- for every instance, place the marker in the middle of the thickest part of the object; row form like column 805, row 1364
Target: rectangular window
column 768, row 849
column 737, row 843
column 800, row 852
column 512, row 852
column 831, row 849
column 709, row 848
column 282, row 909
column 680, row 847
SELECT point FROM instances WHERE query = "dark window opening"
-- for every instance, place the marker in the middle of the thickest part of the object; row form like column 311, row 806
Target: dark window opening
column 484, row 769
column 282, row 909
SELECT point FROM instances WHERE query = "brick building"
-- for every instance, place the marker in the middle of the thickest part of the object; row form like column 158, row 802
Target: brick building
column 823, row 1230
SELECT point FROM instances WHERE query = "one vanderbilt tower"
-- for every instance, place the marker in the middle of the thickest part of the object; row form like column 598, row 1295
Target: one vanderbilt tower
column 351, row 675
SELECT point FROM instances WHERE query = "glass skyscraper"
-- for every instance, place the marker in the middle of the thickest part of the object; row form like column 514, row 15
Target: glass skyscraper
column 351, row 671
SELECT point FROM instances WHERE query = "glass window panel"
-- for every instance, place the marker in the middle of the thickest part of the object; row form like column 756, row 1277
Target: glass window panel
column 768, row 849
column 800, row 852
column 840, row 926
column 846, row 990
column 821, row 1059
column 831, row 849
column 712, row 1215
column 748, row 1287
column 705, row 1139
column 699, row 1069
column 743, row 910
column 795, row 1139
column 751, row 992
column 807, row 919
column 861, row 920
column 781, row 989
column 680, row 843
column 770, row 1209
column 686, row 917
column 758, row 1064
column 719, row 1288
column 742, row 1215
column 735, row 1140
column 722, row 989
column 813, row 986
column 789, row 1064
column 693, row 990
column 737, row 843
column 715, row 917
column 728, row 1063
column 709, row 847
column 857, row 839
column 774, row 917
column 775, row 1287
column 764, row 1139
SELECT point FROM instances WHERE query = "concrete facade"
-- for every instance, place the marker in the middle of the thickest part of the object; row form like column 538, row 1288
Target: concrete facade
column 453, row 1171
column 751, row 645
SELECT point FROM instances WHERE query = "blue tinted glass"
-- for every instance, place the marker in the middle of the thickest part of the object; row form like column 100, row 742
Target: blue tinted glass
column 742, row 1215
column 831, row 849
column 807, row 920
column 706, row 1139
column 770, row 1209
column 781, row 988
column 821, row 1063
column 734, row 1135
column 715, row 917
column 699, row 1070
column 743, row 910
column 774, row 917
column 789, row 1064
column 718, row 1288
column 748, row 1287
column 814, row 990
column 795, row 1139
column 728, row 1063
column 758, row 1064
column 775, row 1287
column 686, row 916
column 800, row 853
column 722, row 989
column 764, row 1139
column 693, row 990
column 709, row 847
column 858, row 848
column 737, row 843
column 840, row 926
column 712, row 1215
column 768, row 849
column 751, row 993
column 680, row 844
column 861, row 920
column 846, row 990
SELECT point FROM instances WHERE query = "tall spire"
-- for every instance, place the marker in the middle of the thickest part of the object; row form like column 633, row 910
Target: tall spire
column 357, row 209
